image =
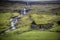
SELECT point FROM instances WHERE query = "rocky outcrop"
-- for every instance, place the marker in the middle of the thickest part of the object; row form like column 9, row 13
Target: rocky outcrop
column 41, row 26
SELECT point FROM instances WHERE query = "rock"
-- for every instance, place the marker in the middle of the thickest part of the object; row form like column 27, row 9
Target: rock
column 58, row 22
column 41, row 26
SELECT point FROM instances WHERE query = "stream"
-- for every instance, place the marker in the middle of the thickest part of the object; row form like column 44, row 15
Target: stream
column 14, row 20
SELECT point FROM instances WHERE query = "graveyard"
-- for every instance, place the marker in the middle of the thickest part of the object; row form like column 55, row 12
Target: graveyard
column 33, row 22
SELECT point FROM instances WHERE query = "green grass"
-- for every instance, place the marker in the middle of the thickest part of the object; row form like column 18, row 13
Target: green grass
column 24, row 25
column 43, row 18
column 55, row 28
column 33, row 35
column 4, row 21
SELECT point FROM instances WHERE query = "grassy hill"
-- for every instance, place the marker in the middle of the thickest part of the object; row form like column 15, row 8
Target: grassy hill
column 40, row 15
column 24, row 32
column 32, row 35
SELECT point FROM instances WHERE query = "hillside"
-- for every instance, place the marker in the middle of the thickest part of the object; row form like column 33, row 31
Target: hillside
column 40, row 14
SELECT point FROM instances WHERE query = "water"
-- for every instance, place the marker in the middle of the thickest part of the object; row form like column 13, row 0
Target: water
column 24, row 10
column 19, row 16
column 7, row 30
column 14, row 21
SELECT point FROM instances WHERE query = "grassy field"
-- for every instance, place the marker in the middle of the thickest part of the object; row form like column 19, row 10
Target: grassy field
column 40, row 14
column 32, row 35
column 22, row 32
